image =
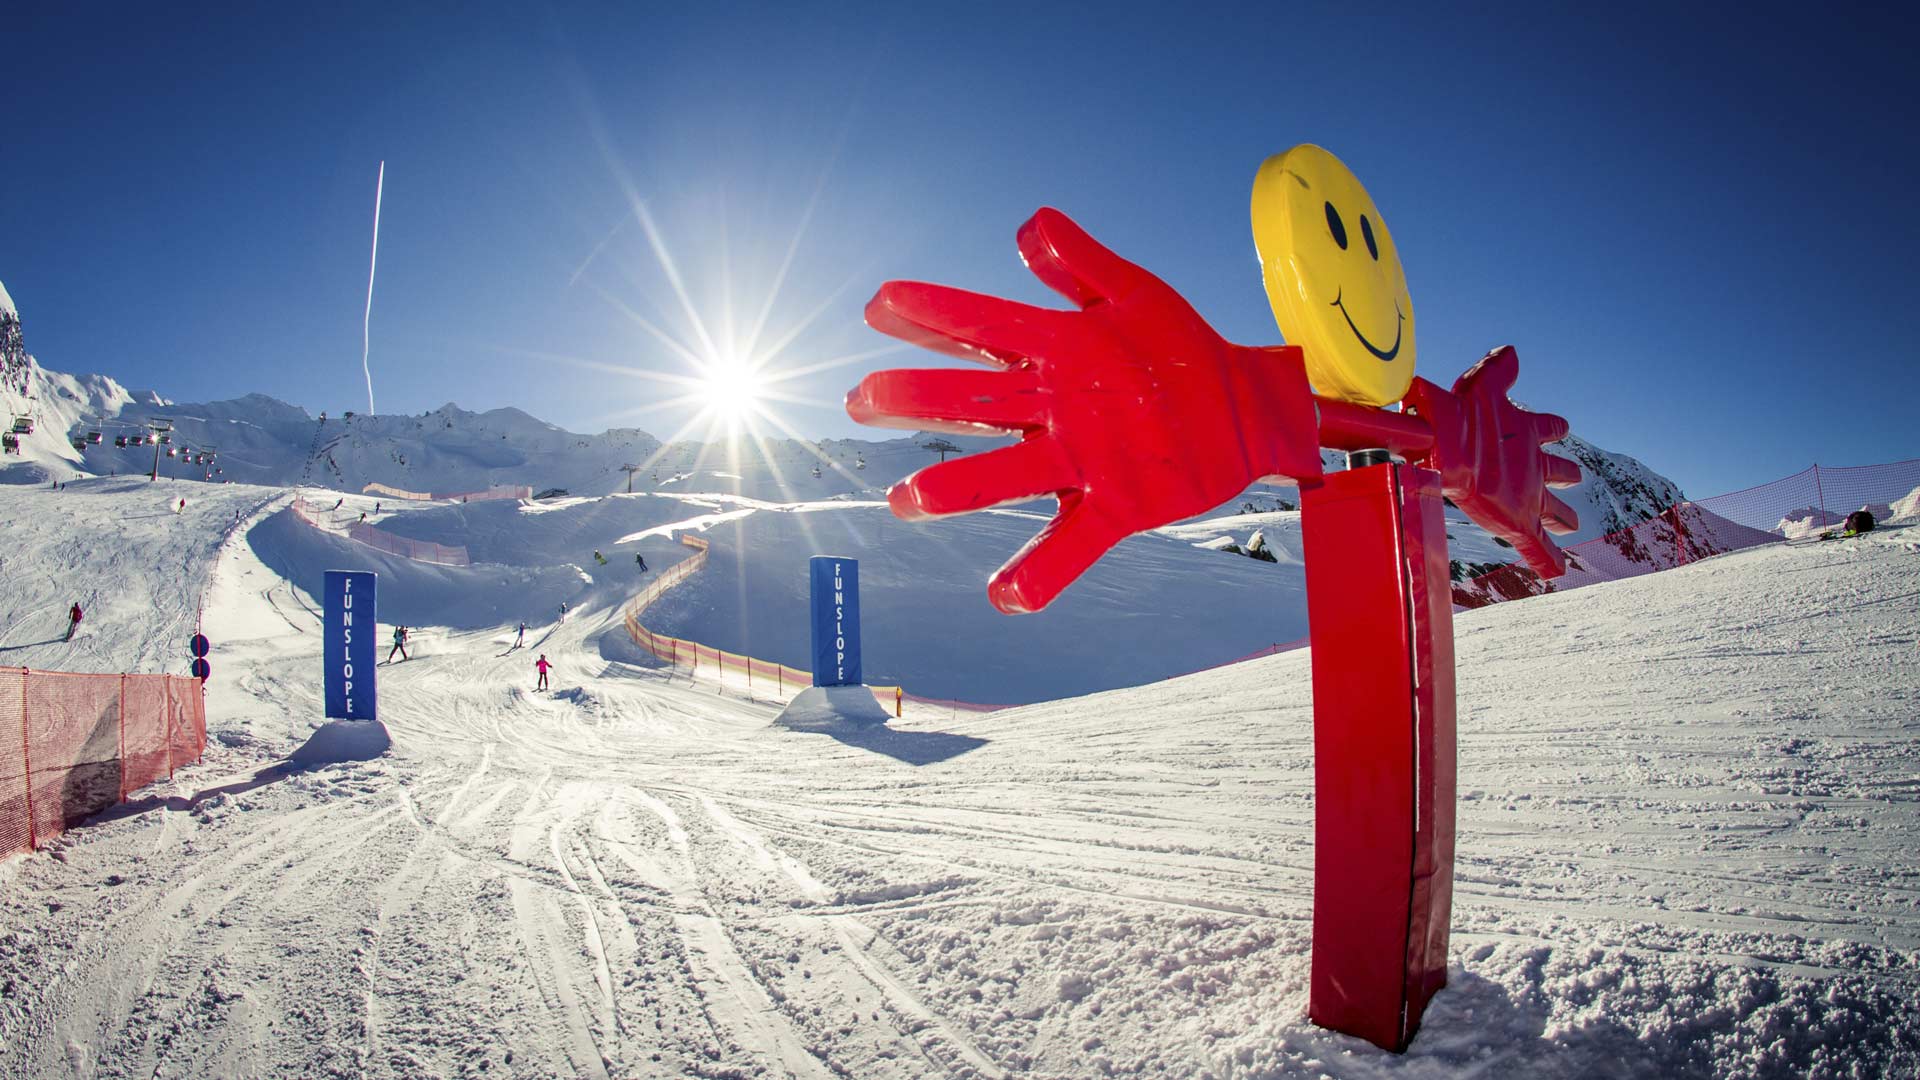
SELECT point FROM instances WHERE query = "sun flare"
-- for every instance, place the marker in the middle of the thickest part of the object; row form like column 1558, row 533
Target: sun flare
column 730, row 388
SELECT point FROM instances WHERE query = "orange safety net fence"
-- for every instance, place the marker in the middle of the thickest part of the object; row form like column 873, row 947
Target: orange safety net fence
column 520, row 492
column 342, row 524
column 706, row 660
column 73, row 745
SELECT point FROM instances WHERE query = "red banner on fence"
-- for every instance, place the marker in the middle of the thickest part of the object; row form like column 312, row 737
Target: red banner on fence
column 73, row 745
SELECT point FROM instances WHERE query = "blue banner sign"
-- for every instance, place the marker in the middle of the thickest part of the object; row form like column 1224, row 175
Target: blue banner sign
column 347, row 650
column 836, row 620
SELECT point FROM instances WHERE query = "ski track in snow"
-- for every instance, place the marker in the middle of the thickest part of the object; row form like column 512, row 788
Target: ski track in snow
column 1686, row 823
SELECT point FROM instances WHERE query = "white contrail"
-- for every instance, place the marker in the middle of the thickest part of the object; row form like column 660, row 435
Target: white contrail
column 366, row 323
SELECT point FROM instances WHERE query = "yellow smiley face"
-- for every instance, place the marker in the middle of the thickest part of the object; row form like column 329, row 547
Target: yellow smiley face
column 1333, row 276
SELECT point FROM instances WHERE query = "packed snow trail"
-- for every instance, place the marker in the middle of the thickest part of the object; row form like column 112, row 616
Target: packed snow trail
column 1687, row 814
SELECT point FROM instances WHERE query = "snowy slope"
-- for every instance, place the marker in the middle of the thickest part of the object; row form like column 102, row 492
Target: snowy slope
column 1688, row 805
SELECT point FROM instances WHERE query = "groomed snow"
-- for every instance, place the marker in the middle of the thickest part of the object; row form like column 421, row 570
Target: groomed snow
column 1687, row 821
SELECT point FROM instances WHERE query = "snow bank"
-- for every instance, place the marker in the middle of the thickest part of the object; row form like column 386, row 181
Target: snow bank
column 821, row 708
column 339, row 741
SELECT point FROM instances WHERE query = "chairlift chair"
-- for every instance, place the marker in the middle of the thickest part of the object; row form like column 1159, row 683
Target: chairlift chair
column 80, row 444
column 816, row 472
column 171, row 452
column 11, row 442
column 120, row 441
column 23, row 425
column 95, row 438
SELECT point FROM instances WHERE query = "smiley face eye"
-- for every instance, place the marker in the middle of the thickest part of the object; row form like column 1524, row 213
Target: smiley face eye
column 1366, row 233
column 1337, row 227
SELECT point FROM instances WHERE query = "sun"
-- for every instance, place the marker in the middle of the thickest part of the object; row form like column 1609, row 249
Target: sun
column 730, row 388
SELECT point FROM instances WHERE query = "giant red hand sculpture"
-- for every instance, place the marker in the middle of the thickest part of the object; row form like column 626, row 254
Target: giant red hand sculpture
column 1134, row 413
column 1201, row 417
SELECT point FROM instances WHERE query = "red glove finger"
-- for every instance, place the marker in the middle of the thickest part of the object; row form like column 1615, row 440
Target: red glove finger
column 1548, row 427
column 1557, row 515
column 972, row 326
column 950, row 401
column 1025, row 470
column 1074, row 264
column 1071, row 543
column 1559, row 471
column 1541, row 556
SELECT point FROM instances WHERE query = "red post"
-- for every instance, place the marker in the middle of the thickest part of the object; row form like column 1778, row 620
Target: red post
column 1381, row 618
column 1819, row 496
column 123, row 738
column 26, row 757
column 166, row 684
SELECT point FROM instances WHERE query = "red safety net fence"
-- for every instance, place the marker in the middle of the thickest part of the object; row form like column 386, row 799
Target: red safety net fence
column 343, row 524
column 1803, row 506
column 73, row 745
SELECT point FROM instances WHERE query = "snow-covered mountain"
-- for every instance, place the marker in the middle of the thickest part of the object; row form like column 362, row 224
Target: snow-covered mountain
column 261, row 440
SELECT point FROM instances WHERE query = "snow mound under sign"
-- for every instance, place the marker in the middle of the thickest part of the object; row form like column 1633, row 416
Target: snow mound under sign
column 829, row 708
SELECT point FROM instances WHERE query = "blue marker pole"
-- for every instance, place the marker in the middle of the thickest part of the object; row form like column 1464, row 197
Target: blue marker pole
column 351, row 631
column 836, row 620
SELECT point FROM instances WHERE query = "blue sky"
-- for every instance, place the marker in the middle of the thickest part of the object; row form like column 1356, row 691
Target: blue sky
column 1698, row 229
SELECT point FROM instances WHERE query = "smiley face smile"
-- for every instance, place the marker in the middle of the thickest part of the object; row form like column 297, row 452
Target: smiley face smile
column 1398, row 318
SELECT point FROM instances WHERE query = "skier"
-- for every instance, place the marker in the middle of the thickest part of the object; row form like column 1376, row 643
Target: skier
column 399, row 644
column 640, row 561
column 73, row 619
column 520, row 640
column 181, row 507
column 599, row 558
column 363, row 517
column 563, row 612
column 376, row 506
column 541, row 665
column 337, row 502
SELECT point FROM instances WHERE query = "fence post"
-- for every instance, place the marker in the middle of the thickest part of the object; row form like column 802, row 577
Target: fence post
column 898, row 696
column 26, row 757
column 166, row 684
column 1819, row 496
column 123, row 738
column 780, row 677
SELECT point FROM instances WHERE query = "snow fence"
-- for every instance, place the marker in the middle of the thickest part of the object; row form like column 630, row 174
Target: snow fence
column 705, row 661
column 1803, row 506
column 521, row 492
column 360, row 532
column 73, row 745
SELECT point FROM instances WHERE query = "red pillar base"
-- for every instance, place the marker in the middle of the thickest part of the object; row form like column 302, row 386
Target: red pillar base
column 1379, row 604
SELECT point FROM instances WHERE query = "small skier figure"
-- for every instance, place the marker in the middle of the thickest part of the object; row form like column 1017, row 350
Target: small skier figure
column 563, row 612
column 73, row 619
column 541, row 666
column 376, row 506
column 181, row 507
column 640, row 561
column 521, row 639
column 337, row 502
column 599, row 558
column 399, row 644
column 363, row 517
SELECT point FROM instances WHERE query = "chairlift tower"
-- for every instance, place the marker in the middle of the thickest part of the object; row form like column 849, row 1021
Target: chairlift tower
column 630, row 470
column 159, row 427
column 941, row 447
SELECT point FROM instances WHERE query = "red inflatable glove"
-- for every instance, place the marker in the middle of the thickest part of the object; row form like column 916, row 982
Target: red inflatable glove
column 1133, row 412
column 1488, row 453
